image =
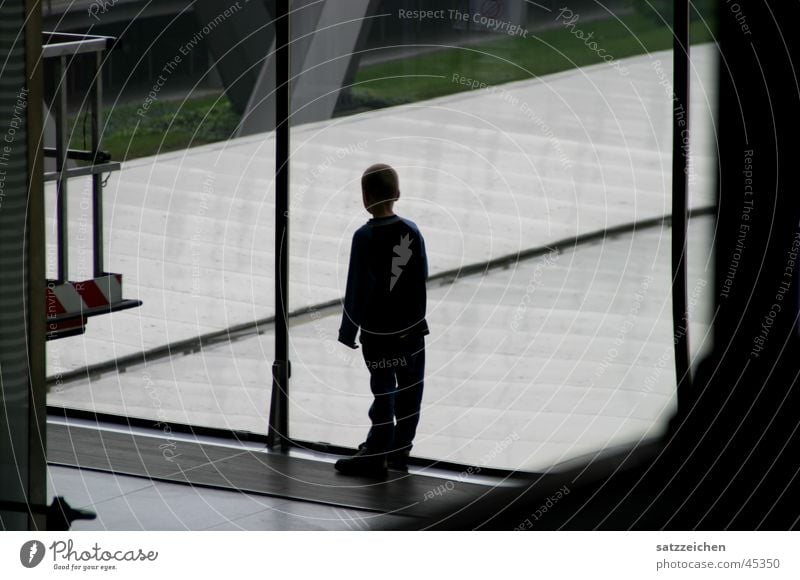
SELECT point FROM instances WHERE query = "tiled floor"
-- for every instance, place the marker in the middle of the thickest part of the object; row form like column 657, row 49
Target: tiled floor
column 133, row 503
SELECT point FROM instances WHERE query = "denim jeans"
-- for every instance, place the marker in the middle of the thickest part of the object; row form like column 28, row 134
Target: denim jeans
column 396, row 379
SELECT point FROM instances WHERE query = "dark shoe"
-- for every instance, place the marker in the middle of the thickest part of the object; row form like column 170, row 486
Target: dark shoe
column 398, row 460
column 364, row 462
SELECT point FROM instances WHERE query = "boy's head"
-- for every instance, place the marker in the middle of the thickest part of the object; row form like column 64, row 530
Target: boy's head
column 379, row 189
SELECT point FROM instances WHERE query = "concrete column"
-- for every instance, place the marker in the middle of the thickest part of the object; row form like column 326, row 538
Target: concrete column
column 324, row 37
column 239, row 35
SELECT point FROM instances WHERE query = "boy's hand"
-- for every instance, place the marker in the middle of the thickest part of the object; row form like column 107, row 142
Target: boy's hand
column 348, row 342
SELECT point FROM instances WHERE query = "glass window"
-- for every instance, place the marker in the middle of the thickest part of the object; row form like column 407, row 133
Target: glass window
column 533, row 146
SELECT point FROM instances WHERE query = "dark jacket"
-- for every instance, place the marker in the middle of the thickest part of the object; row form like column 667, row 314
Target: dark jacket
column 386, row 295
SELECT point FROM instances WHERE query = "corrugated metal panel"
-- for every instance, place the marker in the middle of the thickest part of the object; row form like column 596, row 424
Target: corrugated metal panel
column 13, row 287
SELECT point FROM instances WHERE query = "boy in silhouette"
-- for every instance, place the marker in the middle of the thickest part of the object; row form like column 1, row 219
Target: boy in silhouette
column 386, row 299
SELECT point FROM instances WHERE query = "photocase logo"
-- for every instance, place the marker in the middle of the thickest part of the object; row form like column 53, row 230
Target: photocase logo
column 402, row 253
column 31, row 553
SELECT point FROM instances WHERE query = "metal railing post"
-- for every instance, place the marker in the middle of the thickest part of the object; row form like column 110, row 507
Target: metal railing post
column 680, row 217
column 97, row 178
column 279, row 407
column 62, row 144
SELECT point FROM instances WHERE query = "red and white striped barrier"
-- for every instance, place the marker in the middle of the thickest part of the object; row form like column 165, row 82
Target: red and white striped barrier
column 78, row 297
column 70, row 303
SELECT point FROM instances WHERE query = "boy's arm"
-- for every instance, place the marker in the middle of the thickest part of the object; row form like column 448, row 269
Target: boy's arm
column 424, row 258
column 353, row 298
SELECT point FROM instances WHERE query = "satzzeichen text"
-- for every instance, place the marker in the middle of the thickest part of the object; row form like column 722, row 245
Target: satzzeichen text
column 693, row 547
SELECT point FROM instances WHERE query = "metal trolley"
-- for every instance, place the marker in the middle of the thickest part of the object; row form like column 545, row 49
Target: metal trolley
column 71, row 303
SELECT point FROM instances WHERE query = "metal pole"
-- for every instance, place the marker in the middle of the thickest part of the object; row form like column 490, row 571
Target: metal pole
column 60, row 105
column 680, row 216
column 97, row 178
column 279, row 407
